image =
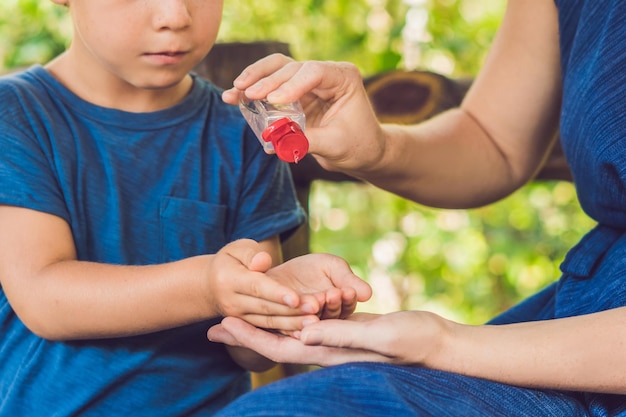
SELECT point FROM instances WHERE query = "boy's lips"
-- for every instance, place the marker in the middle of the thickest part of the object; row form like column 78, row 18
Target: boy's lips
column 166, row 53
column 166, row 57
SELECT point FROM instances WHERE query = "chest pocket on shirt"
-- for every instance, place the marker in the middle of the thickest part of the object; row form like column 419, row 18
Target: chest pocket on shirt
column 190, row 228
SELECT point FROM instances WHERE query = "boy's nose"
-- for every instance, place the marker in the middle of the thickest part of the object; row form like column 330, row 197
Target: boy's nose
column 171, row 14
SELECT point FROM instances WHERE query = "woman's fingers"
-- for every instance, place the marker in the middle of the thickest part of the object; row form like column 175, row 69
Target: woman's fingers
column 279, row 348
column 354, row 333
column 280, row 79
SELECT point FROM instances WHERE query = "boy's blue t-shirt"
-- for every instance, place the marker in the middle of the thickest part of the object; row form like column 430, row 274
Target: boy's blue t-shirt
column 136, row 189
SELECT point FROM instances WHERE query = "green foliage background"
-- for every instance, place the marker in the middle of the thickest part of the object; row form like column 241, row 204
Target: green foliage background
column 465, row 264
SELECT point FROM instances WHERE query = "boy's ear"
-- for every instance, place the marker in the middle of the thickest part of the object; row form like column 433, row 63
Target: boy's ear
column 61, row 2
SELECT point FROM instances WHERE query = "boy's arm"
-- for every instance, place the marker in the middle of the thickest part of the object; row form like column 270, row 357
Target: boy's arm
column 60, row 298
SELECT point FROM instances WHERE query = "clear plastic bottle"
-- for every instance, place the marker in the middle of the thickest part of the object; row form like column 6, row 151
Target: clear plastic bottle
column 279, row 127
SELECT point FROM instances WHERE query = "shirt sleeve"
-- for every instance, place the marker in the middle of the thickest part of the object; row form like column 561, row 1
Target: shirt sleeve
column 27, row 176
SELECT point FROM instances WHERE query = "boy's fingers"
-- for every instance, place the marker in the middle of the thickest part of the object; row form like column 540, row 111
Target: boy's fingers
column 267, row 289
column 243, row 305
column 342, row 276
column 246, row 305
column 362, row 289
column 245, row 252
column 260, row 262
column 333, row 305
column 282, row 323
column 348, row 302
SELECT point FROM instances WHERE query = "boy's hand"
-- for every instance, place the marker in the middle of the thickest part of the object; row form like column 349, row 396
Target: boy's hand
column 328, row 278
column 287, row 297
column 237, row 286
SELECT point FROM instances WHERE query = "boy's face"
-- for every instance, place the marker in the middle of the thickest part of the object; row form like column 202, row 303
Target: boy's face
column 145, row 43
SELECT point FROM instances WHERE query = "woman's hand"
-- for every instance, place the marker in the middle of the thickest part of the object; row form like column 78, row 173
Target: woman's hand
column 343, row 132
column 406, row 337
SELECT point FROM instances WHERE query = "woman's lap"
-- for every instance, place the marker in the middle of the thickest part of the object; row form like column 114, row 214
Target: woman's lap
column 377, row 390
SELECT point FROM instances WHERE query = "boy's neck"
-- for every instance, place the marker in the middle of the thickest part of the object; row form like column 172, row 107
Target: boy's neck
column 107, row 90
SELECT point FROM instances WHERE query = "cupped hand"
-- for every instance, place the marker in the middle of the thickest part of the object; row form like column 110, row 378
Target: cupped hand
column 328, row 278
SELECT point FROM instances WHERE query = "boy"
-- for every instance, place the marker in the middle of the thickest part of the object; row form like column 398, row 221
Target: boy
column 120, row 173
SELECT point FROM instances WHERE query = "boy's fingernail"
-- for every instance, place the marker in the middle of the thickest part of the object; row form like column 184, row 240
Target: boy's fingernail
column 308, row 308
column 309, row 321
column 288, row 299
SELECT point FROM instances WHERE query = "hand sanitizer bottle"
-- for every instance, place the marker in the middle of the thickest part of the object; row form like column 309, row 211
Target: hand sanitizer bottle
column 279, row 127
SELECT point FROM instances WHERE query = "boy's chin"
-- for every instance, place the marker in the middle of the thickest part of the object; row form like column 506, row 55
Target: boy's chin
column 161, row 81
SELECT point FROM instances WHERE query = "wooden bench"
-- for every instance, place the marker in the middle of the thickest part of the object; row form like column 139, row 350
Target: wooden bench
column 402, row 97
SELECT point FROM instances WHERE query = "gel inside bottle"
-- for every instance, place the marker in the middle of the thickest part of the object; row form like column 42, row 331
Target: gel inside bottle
column 279, row 127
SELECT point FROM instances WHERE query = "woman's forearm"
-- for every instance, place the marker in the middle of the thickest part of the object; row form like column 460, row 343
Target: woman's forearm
column 449, row 162
column 583, row 353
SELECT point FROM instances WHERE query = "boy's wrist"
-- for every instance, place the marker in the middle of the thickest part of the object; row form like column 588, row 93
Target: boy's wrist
column 203, row 296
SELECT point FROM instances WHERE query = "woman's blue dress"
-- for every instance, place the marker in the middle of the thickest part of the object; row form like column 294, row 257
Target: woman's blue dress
column 593, row 135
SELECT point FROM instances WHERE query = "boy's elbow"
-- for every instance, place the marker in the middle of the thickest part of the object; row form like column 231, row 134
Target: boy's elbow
column 44, row 331
column 41, row 325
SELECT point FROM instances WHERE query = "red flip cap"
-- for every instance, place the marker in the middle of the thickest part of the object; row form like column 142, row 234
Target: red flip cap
column 288, row 139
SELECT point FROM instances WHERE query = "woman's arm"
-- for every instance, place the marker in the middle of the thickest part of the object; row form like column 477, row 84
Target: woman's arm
column 465, row 157
column 584, row 353
column 497, row 139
